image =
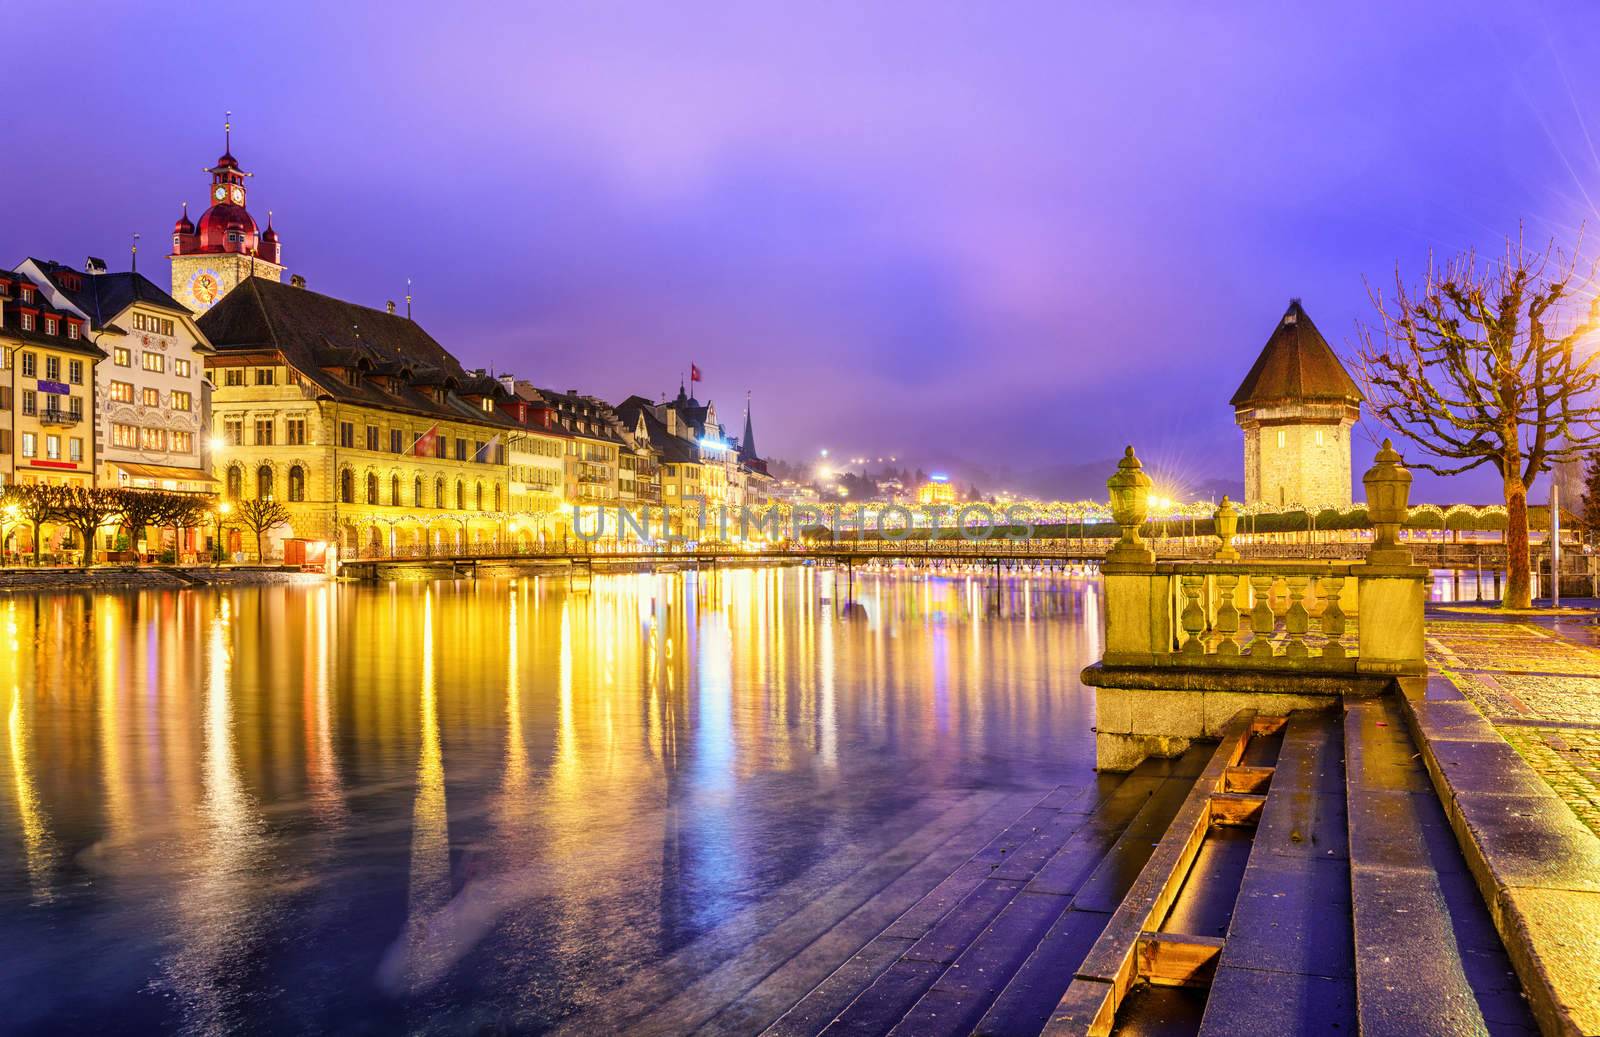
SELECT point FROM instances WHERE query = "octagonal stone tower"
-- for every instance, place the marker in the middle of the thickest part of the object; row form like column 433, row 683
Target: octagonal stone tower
column 1296, row 407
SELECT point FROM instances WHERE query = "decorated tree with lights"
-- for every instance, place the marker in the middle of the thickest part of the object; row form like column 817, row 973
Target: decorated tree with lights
column 1490, row 363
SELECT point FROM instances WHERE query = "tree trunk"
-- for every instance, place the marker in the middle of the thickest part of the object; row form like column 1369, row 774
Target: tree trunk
column 261, row 550
column 1519, row 584
column 37, row 546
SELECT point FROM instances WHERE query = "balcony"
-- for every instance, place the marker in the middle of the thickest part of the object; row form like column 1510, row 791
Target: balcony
column 51, row 416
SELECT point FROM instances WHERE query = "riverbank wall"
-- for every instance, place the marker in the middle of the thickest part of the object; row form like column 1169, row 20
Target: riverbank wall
column 150, row 577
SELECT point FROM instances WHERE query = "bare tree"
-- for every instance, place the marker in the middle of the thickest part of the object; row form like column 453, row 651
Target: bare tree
column 35, row 505
column 85, row 510
column 141, row 508
column 261, row 515
column 1486, row 364
column 187, row 511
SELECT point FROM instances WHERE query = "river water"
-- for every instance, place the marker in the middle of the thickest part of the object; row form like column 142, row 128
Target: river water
column 496, row 806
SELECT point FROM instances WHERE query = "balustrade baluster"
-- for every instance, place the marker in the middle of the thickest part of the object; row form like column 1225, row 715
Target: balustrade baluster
column 1331, row 624
column 1262, row 619
column 1193, row 617
column 1227, row 621
column 1296, row 620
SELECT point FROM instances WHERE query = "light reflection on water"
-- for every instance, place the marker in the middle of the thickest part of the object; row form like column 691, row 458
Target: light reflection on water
column 430, row 806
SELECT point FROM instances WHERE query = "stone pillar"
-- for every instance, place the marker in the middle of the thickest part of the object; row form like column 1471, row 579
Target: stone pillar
column 1392, row 591
column 1138, row 621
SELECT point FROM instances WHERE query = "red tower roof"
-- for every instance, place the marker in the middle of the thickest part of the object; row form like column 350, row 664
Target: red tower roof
column 184, row 224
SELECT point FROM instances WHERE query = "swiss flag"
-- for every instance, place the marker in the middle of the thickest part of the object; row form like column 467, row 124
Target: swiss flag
column 694, row 373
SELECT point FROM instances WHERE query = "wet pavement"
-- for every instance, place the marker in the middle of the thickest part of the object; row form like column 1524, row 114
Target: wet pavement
column 1537, row 679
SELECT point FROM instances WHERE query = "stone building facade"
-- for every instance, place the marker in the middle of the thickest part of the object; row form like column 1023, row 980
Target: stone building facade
column 1296, row 408
column 152, row 421
column 369, row 431
column 47, row 407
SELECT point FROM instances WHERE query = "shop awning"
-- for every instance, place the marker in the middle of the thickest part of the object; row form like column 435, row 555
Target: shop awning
column 162, row 472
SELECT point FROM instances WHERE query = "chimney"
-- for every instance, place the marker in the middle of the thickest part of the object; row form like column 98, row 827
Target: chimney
column 389, row 306
column 297, row 280
column 510, row 382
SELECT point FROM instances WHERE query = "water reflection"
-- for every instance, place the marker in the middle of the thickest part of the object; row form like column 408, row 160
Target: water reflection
column 435, row 806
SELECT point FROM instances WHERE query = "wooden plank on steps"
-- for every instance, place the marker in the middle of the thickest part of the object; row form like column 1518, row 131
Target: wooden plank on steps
column 1110, row 969
column 1247, row 779
column 1236, row 808
column 1286, row 964
column 1177, row 959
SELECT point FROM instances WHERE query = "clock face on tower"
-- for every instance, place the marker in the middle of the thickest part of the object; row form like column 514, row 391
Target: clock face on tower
column 220, row 193
column 205, row 286
column 238, row 196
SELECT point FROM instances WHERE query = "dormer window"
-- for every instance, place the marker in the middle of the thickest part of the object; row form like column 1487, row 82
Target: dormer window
column 27, row 293
column 72, row 329
column 488, row 406
column 27, row 322
column 51, row 326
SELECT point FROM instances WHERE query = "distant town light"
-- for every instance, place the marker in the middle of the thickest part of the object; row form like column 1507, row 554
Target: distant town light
column 712, row 443
column 939, row 477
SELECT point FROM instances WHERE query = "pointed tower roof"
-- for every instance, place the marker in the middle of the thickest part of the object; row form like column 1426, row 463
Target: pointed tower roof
column 1296, row 364
column 747, row 442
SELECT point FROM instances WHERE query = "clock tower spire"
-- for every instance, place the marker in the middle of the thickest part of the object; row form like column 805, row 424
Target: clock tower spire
column 210, row 257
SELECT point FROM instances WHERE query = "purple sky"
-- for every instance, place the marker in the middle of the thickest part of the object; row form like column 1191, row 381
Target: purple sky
column 1012, row 234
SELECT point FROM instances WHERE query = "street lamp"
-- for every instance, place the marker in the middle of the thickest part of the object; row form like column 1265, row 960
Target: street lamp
column 8, row 518
column 223, row 510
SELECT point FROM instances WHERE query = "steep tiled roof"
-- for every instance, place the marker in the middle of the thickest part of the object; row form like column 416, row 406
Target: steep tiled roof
column 103, row 296
column 11, row 319
column 1296, row 364
column 674, row 449
column 315, row 332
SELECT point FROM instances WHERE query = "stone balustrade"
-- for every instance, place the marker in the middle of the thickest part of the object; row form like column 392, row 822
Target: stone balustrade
column 1293, row 614
column 1190, row 642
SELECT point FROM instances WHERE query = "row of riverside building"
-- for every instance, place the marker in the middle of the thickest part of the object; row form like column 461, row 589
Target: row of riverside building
column 370, row 432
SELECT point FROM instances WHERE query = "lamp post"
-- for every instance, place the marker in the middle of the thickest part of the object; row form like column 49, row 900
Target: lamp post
column 223, row 510
column 8, row 519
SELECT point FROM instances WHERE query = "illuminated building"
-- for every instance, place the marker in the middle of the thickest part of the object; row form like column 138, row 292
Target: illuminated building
column 937, row 490
column 367, row 428
column 152, row 416
column 47, row 407
column 537, row 452
column 1296, row 407
column 213, row 256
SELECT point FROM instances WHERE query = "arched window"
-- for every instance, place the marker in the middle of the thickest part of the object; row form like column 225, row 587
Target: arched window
column 347, row 486
column 264, row 482
column 438, row 493
column 416, row 492
column 235, row 482
column 297, row 483
column 497, row 496
column 372, row 487
column 478, row 497
column 461, row 496
column 394, row 490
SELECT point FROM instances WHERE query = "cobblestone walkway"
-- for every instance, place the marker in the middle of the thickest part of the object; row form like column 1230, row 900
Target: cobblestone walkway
column 1540, row 689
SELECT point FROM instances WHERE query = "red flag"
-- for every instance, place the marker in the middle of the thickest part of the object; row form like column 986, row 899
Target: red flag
column 426, row 445
column 694, row 373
